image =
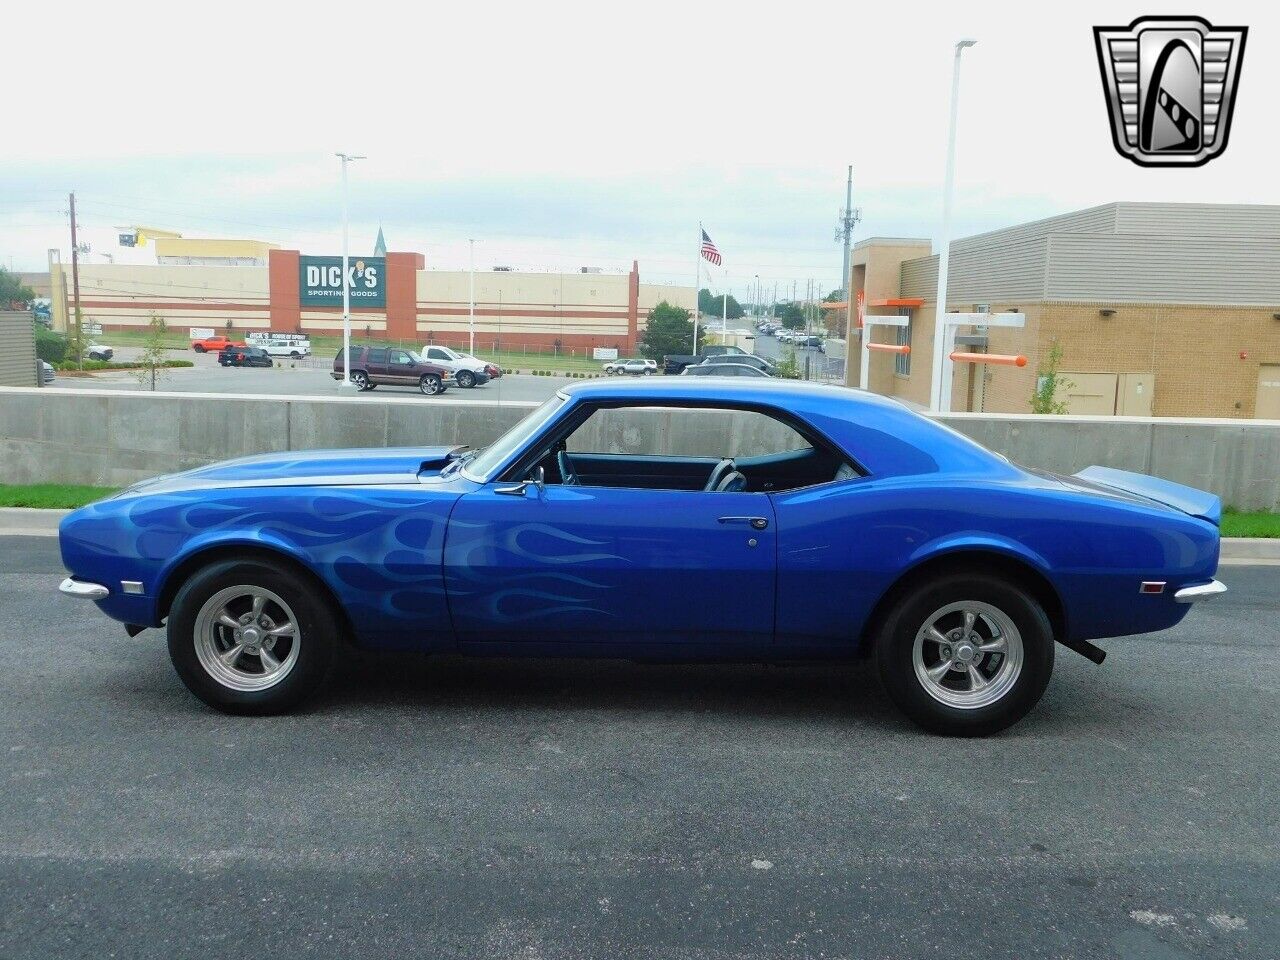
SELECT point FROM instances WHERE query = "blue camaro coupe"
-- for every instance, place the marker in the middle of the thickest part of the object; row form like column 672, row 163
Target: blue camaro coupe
column 671, row 519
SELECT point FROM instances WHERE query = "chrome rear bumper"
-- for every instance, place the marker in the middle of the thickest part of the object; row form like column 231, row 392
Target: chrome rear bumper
column 83, row 590
column 1201, row 591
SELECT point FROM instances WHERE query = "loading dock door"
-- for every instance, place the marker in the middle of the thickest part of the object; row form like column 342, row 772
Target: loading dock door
column 1267, row 406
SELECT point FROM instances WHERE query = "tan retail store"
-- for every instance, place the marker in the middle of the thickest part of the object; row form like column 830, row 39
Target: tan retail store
column 1155, row 309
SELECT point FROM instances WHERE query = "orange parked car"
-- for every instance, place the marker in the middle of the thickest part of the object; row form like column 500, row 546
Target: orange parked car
column 215, row 344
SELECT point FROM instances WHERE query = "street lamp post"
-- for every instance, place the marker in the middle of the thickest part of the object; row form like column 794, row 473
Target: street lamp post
column 940, row 398
column 346, row 158
column 472, row 310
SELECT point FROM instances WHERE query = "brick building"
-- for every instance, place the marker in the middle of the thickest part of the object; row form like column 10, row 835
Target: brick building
column 516, row 310
column 1158, row 309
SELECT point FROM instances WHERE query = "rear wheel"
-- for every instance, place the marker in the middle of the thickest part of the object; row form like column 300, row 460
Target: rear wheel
column 360, row 379
column 431, row 385
column 466, row 379
column 966, row 655
column 250, row 638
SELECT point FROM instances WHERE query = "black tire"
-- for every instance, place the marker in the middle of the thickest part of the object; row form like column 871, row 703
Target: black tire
column 895, row 654
column 317, row 639
column 466, row 379
column 431, row 385
column 361, row 380
column 296, row 355
column 198, row 349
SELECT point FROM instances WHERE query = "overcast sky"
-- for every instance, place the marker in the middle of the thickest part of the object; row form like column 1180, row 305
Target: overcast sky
column 564, row 134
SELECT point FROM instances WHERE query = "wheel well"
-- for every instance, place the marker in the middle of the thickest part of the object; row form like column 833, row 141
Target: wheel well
column 970, row 561
column 217, row 554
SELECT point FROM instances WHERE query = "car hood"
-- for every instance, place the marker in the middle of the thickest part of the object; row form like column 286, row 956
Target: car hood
column 357, row 467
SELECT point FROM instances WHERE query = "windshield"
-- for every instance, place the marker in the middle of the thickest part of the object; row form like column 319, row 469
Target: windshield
column 491, row 457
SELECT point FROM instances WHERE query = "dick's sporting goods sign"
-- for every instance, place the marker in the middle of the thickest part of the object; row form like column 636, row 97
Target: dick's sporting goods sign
column 320, row 281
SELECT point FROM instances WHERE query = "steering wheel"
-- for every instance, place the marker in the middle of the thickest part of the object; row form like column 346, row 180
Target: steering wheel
column 718, row 474
column 568, row 477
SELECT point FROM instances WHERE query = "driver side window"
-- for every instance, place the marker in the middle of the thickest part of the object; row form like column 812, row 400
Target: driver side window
column 688, row 448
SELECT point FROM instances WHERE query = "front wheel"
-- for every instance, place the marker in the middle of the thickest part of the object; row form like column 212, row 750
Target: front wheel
column 431, row 385
column 360, row 379
column 466, row 379
column 965, row 655
column 250, row 638
column 198, row 349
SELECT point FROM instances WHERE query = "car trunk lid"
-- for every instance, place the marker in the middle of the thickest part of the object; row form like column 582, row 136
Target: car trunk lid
column 1189, row 500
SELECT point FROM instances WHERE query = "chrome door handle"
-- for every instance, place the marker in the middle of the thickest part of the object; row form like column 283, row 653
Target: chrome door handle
column 756, row 523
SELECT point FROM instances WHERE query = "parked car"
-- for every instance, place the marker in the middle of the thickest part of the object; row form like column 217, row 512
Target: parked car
column 635, row 367
column 764, row 364
column 215, row 344
column 45, row 372
column 96, row 351
column 466, row 369
column 394, row 367
column 796, row 522
column 722, row 368
column 245, row 357
column 676, row 362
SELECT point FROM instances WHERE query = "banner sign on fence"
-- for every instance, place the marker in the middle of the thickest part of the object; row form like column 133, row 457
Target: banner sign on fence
column 320, row 281
column 201, row 333
column 604, row 353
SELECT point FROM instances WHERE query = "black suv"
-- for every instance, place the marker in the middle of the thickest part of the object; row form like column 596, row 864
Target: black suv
column 393, row 367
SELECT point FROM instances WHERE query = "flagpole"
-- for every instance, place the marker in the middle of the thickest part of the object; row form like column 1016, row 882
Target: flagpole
column 697, row 293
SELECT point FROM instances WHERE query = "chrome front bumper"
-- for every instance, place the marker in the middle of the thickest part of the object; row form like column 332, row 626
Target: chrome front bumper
column 1201, row 591
column 82, row 590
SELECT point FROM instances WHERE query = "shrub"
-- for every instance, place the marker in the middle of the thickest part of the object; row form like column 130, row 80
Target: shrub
column 50, row 347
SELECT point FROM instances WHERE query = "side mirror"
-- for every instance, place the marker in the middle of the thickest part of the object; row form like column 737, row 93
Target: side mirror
column 538, row 480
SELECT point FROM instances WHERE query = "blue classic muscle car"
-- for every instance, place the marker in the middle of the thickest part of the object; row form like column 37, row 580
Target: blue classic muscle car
column 655, row 518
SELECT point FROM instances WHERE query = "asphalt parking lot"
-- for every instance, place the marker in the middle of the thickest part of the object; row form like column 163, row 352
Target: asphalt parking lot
column 545, row 809
column 313, row 380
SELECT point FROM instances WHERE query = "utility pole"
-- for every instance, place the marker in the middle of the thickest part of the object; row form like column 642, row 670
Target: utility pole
column 75, row 283
column 849, row 218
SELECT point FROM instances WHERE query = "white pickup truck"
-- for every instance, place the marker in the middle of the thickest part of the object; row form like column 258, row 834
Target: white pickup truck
column 468, row 370
column 290, row 345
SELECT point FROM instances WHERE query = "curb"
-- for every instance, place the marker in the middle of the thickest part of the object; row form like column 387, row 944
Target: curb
column 30, row 522
column 34, row 522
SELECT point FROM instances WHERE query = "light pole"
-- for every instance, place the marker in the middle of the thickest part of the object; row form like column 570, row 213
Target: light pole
column 472, row 311
column 346, row 275
column 936, row 399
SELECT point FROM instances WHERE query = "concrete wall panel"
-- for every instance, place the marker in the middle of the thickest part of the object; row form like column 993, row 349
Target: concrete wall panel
column 111, row 438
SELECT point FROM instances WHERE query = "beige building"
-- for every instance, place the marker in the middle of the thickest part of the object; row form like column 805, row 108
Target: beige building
column 1156, row 309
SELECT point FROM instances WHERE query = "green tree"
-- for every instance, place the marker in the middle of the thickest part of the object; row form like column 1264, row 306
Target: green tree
column 1046, row 396
column 14, row 294
column 790, row 314
column 154, row 354
column 670, row 331
column 715, row 305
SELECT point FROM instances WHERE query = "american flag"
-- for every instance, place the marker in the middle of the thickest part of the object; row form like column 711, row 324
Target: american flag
column 709, row 251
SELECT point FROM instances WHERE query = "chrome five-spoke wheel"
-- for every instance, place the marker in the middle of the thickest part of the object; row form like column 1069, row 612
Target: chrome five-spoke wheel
column 247, row 638
column 967, row 654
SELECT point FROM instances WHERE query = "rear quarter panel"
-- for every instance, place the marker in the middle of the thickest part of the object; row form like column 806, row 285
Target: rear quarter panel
column 842, row 546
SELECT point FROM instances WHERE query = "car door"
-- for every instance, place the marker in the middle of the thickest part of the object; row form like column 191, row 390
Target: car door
column 401, row 368
column 621, row 570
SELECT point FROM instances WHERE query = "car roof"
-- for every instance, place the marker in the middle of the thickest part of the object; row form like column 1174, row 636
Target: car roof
column 882, row 435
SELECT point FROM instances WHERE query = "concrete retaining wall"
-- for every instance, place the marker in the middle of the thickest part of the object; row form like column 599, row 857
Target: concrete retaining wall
column 114, row 438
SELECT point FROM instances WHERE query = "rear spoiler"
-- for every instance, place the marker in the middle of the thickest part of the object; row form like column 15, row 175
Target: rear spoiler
column 1197, row 503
